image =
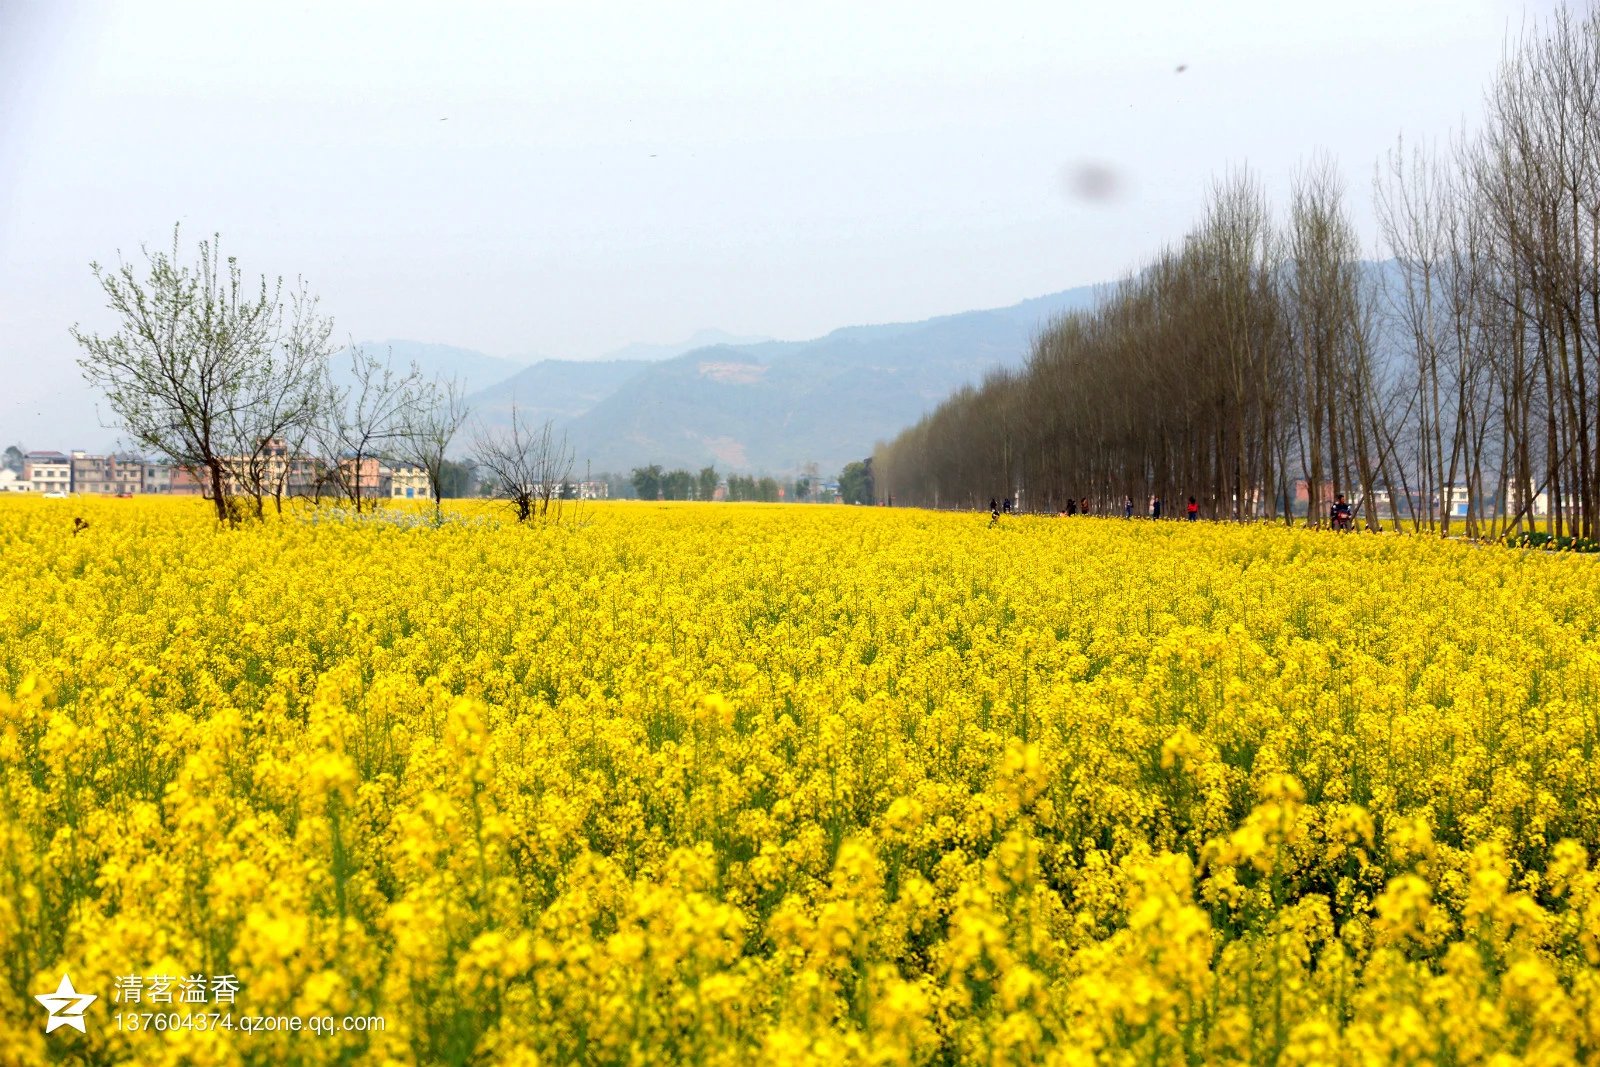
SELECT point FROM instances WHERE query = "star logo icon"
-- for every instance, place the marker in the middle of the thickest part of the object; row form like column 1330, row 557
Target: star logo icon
column 65, row 1006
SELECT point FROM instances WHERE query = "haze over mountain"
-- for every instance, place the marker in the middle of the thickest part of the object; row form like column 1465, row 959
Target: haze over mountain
column 475, row 369
column 560, row 389
column 773, row 406
column 701, row 339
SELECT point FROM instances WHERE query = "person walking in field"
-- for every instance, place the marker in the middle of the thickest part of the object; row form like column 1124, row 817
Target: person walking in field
column 1072, row 506
column 994, row 514
column 1193, row 509
column 1127, row 507
column 1155, row 507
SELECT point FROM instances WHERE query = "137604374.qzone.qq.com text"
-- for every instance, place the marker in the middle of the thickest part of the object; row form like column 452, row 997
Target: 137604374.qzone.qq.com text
column 201, row 1021
column 197, row 1003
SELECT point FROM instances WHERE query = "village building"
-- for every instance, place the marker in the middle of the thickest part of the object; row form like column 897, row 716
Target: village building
column 106, row 475
column 48, row 472
column 405, row 483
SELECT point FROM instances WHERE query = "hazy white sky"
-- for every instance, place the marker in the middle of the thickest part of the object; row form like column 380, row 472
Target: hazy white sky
column 562, row 179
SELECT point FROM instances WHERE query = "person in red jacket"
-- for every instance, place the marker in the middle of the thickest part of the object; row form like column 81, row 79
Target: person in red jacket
column 1194, row 510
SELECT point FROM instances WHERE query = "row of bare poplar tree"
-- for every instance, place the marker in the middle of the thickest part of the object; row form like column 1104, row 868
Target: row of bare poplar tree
column 1263, row 367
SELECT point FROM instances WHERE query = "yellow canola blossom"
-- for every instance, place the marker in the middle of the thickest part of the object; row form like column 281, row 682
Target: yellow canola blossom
column 744, row 784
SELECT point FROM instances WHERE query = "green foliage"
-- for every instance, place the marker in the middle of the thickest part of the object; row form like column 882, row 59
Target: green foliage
column 647, row 481
column 678, row 485
column 1552, row 543
column 749, row 487
column 456, row 480
column 855, row 482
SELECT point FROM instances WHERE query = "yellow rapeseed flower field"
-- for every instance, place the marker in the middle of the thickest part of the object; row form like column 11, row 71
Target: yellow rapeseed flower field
column 743, row 784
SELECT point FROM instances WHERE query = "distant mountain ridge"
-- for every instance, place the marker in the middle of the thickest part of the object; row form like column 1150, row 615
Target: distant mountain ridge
column 475, row 369
column 651, row 353
column 773, row 406
column 560, row 389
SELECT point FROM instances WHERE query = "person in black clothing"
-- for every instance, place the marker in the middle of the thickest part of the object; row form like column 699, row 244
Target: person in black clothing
column 993, row 505
column 994, row 513
column 1072, row 506
column 1155, row 507
column 1341, row 514
column 1127, row 507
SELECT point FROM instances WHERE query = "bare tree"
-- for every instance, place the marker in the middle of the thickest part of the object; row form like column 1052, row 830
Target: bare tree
column 1250, row 358
column 1535, row 172
column 267, row 434
column 528, row 466
column 366, row 420
column 203, row 366
column 429, row 429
